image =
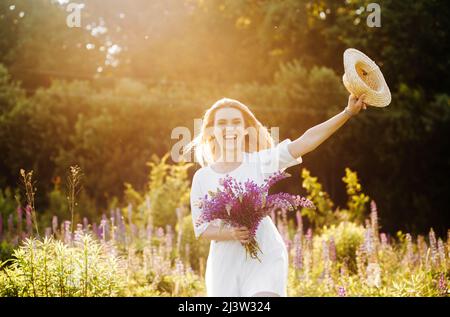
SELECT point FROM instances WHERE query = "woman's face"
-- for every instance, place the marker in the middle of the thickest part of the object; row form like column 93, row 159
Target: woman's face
column 229, row 131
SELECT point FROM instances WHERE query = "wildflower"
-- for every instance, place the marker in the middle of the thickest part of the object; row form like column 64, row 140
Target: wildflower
column 299, row 222
column 85, row 223
column 246, row 204
column 332, row 249
column 384, row 241
column 374, row 222
column 433, row 247
column 360, row 260
column 48, row 232
column 149, row 232
column 54, row 224
column 67, row 233
column 442, row 284
column 409, row 249
column 341, row 291
column 102, row 229
column 441, row 251
column 327, row 263
column 298, row 259
column 422, row 247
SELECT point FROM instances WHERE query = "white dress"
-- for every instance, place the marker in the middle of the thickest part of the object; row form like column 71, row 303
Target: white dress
column 228, row 271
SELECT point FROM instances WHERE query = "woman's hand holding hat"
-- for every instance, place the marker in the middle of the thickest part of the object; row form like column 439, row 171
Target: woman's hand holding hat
column 355, row 104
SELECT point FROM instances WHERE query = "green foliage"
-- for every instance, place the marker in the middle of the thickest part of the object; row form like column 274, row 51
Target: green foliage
column 8, row 202
column 347, row 237
column 6, row 250
column 357, row 200
column 197, row 248
column 323, row 214
column 168, row 189
column 49, row 267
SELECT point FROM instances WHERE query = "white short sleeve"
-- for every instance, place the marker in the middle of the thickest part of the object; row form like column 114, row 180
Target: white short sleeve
column 277, row 158
column 196, row 194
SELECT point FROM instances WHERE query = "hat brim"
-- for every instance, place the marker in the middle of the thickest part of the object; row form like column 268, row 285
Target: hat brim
column 363, row 76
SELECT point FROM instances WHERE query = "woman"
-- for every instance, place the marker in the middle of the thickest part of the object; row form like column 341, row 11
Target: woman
column 233, row 142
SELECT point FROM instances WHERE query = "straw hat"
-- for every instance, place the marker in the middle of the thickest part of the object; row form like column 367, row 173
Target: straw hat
column 363, row 76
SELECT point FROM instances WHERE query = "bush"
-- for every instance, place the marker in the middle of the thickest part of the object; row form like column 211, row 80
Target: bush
column 49, row 267
column 347, row 238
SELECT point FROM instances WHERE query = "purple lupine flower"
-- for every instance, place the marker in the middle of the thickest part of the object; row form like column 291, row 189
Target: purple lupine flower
column 384, row 241
column 332, row 246
column 441, row 250
column 169, row 237
column 422, row 248
column 179, row 267
column 442, row 284
column 433, row 247
column 149, row 232
column 118, row 215
column 326, row 261
column 325, row 251
column 448, row 242
column 78, row 233
column 130, row 213
column 67, row 233
column 409, row 249
column 374, row 222
column 48, row 232
column 368, row 242
column 160, row 232
column 102, row 229
column 123, row 230
column 246, row 204
column 85, row 224
column 55, row 224
column 134, row 230
column 309, row 235
column 341, row 291
column 95, row 229
column 298, row 215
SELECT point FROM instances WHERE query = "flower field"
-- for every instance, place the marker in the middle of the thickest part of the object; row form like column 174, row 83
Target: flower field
column 333, row 252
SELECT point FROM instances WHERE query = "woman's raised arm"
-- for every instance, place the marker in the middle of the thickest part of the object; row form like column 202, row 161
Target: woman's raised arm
column 316, row 135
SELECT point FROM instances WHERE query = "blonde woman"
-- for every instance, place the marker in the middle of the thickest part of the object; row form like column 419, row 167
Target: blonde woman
column 233, row 142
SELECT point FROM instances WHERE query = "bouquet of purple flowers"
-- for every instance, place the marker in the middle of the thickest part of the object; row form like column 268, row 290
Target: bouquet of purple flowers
column 247, row 204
